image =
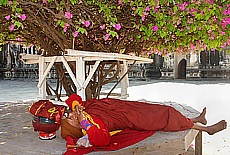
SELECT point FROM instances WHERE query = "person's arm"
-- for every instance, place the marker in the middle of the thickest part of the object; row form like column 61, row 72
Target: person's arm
column 98, row 135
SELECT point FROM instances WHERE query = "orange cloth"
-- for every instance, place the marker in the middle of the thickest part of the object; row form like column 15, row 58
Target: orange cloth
column 69, row 130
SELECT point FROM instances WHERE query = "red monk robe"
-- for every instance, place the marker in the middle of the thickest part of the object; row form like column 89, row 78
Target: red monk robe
column 134, row 118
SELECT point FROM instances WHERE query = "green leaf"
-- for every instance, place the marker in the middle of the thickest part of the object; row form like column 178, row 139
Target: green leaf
column 18, row 24
column 175, row 8
column 62, row 24
column 3, row 2
column 149, row 32
column 140, row 10
column 163, row 34
column 81, row 30
column 113, row 33
column 18, row 10
column 138, row 36
column 143, row 28
column 73, row 2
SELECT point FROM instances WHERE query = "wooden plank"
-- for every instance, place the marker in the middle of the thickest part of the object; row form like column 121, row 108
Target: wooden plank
column 115, row 95
column 114, row 56
column 42, row 88
column 80, row 76
column 100, row 56
column 43, row 76
column 75, row 81
column 34, row 59
column 198, row 143
column 84, row 85
column 125, row 80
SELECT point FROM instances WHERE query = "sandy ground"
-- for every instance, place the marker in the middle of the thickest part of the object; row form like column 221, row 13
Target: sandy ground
column 17, row 135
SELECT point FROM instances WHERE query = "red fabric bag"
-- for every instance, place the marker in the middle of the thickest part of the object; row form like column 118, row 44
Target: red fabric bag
column 45, row 108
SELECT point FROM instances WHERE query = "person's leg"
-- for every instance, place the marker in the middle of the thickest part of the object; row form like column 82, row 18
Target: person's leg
column 201, row 118
column 221, row 125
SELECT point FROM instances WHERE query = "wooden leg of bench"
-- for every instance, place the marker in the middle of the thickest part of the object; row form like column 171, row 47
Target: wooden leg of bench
column 198, row 143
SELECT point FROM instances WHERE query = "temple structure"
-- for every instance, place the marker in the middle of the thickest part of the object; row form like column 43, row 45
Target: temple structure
column 204, row 64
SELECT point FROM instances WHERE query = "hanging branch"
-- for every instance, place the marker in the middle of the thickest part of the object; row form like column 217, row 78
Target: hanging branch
column 121, row 78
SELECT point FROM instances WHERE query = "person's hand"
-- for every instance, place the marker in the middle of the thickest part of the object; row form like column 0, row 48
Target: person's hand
column 83, row 141
column 80, row 116
column 79, row 110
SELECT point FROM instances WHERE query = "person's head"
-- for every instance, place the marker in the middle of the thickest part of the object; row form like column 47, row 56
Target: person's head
column 70, row 126
column 74, row 100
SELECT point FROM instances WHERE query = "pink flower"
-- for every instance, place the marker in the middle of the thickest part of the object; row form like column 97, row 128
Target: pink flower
column 222, row 33
column 154, row 28
column 224, row 44
column 147, row 8
column 188, row 27
column 144, row 14
column 12, row 27
column 225, row 22
column 119, row 2
column 192, row 46
column 143, row 18
column 189, row 22
column 68, row 15
column 214, row 19
column 192, row 11
column 44, row 1
column 150, row 52
column 107, row 36
column 87, row 23
column 102, row 27
column 10, row 2
column 7, row 17
column 117, row 26
column 23, row 17
column 66, row 27
column 75, row 34
column 209, row 1
column 182, row 6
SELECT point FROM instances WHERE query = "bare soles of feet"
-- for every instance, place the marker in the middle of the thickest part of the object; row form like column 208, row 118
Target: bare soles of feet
column 221, row 125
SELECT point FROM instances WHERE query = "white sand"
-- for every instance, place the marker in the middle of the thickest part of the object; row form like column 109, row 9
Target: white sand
column 214, row 96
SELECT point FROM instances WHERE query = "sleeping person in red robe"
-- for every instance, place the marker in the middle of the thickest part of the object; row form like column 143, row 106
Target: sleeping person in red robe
column 111, row 124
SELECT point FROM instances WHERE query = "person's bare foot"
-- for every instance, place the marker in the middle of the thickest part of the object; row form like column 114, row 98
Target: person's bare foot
column 221, row 125
column 201, row 118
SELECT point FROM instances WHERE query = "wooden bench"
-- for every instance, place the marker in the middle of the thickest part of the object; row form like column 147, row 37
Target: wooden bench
column 165, row 143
